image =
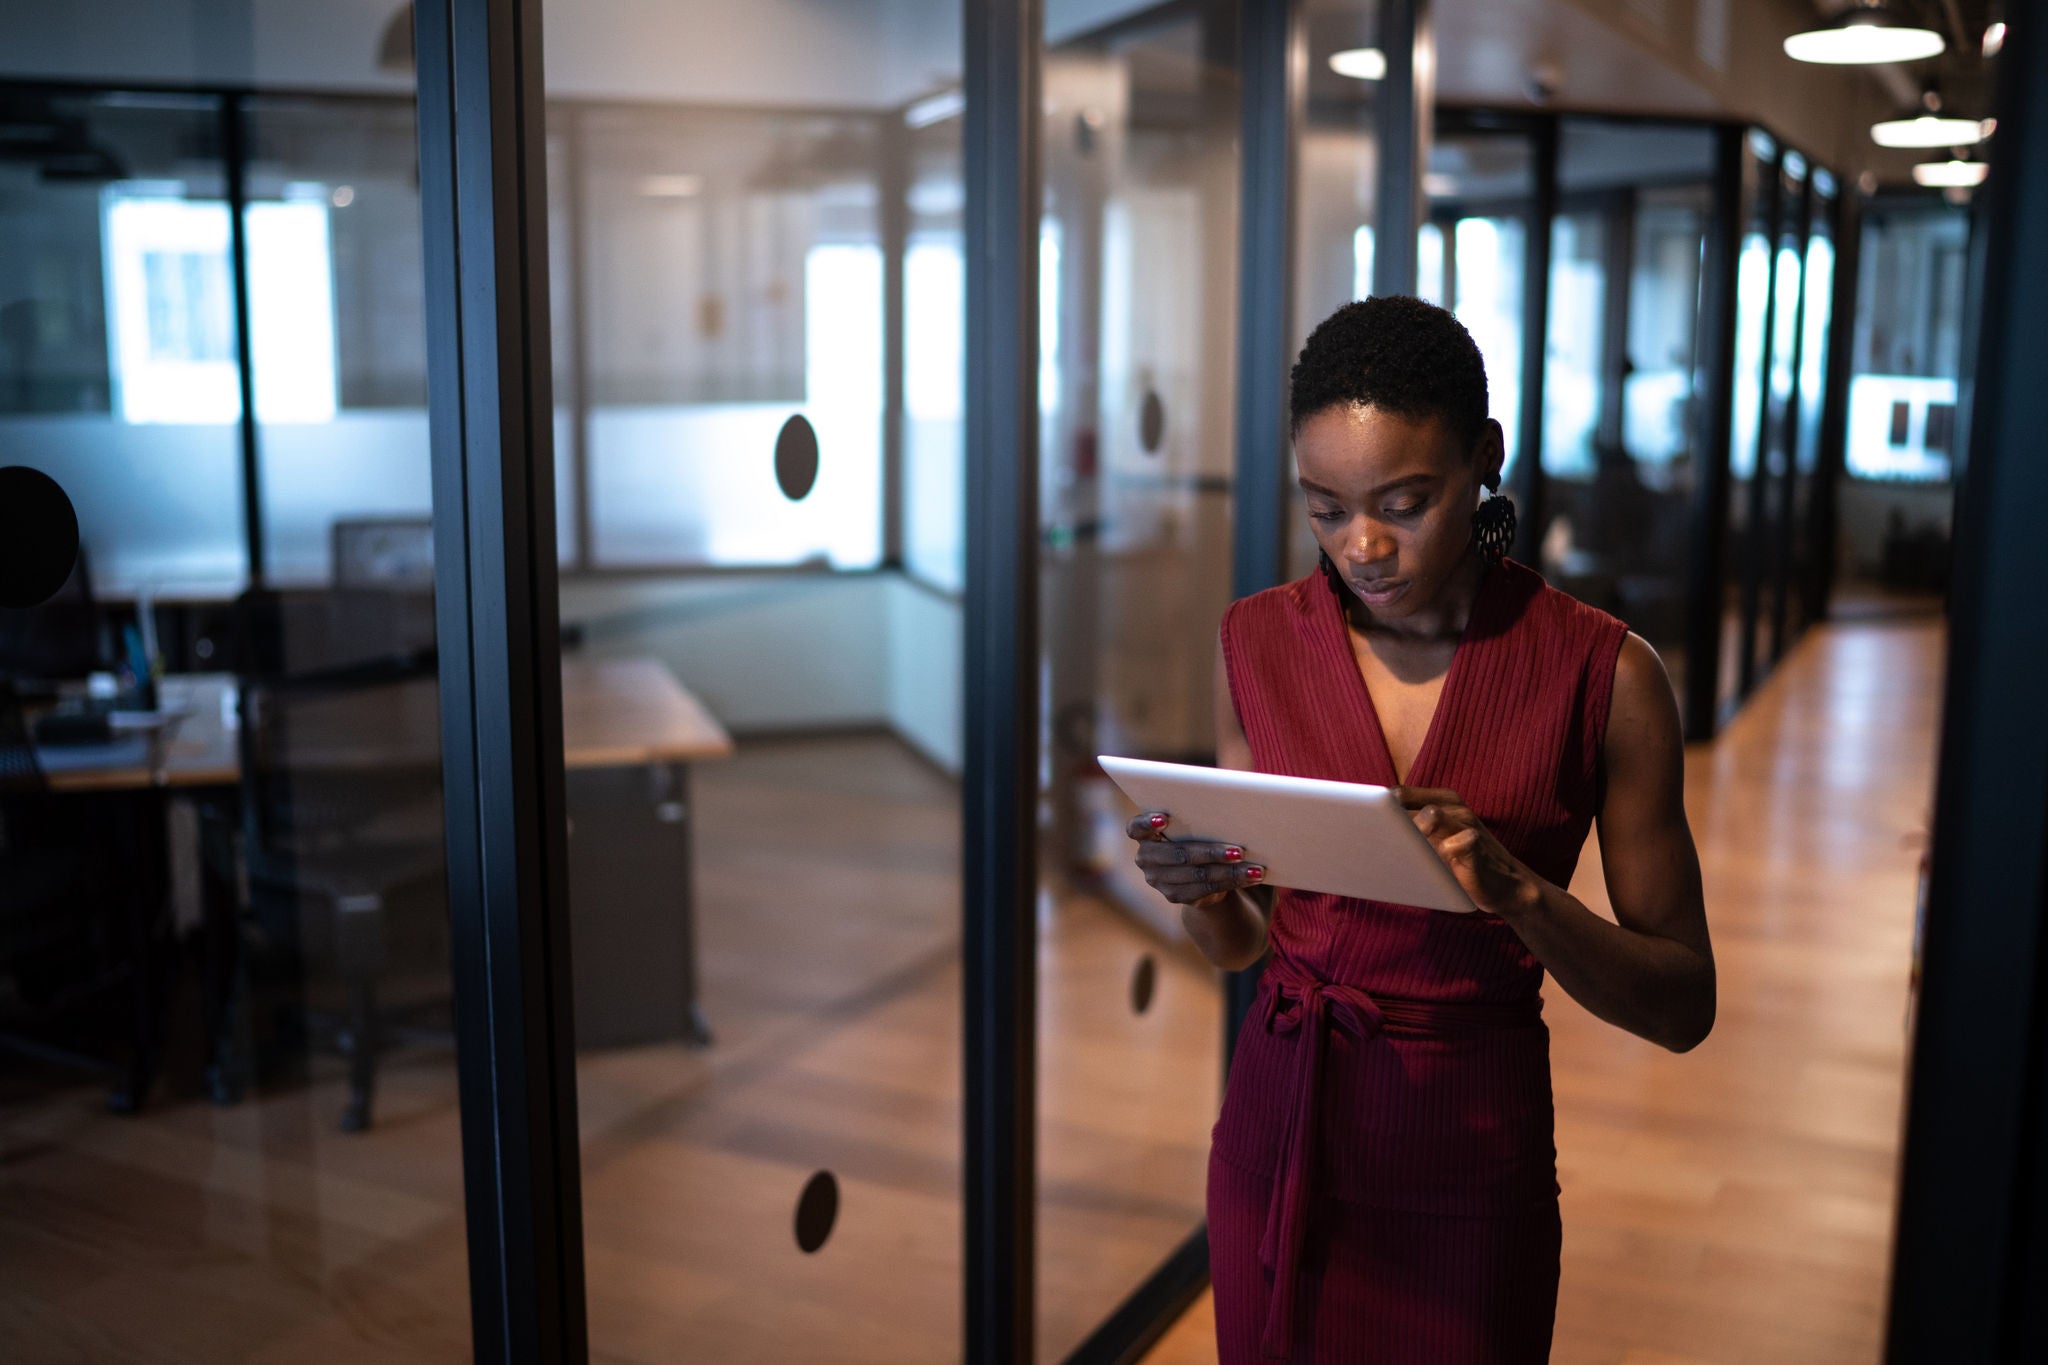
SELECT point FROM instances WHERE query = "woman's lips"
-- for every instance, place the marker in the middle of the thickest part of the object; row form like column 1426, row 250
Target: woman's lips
column 1380, row 593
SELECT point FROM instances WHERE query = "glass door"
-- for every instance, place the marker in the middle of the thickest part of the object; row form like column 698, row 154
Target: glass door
column 762, row 273
column 1753, row 333
column 1621, row 471
column 1138, row 259
column 229, row 1121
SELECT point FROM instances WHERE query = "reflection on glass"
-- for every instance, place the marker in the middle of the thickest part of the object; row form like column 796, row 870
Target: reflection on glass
column 1333, row 225
column 223, row 899
column 1745, row 542
column 1902, row 387
column 1137, row 362
column 1619, row 412
column 764, row 902
column 117, row 341
column 1479, row 186
column 934, row 348
column 732, row 275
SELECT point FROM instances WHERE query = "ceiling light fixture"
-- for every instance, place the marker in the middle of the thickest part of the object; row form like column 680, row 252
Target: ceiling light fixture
column 1950, row 174
column 1360, row 63
column 1931, row 126
column 1865, row 34
column 1929, row 130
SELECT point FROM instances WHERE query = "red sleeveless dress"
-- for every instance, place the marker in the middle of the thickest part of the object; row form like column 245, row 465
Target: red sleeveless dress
column 1383, row 1180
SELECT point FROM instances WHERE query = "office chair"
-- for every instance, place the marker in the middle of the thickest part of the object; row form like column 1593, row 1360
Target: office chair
column 64, row 895
column 341, row 829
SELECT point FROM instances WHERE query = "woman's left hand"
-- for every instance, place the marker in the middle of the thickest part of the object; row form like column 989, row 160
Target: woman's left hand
column 1495, row 879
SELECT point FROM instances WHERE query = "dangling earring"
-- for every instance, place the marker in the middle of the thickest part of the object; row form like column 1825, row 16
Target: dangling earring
column 1493, row 527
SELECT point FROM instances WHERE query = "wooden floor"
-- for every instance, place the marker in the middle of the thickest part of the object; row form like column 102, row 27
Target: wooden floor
column 1730, row 1206
column 828, row 878
column 1734, row 1204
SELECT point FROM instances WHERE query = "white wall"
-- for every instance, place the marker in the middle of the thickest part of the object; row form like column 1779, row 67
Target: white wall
column 780, row 652
column 764, row 653
column 924, row 671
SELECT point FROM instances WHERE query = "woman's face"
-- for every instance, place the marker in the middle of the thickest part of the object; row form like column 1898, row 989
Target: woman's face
column 1391, row 500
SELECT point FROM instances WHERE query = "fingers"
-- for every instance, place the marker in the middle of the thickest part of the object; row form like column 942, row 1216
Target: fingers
column 1164, row 853
column 1413, row 797
column 1147, row 825
column 1203, row 881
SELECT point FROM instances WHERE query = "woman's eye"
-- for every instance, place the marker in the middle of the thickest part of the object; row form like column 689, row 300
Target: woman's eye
column 1408, row 510
column 1324, row 514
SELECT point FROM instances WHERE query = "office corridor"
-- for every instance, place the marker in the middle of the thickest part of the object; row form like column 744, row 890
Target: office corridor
column 1734, row 1204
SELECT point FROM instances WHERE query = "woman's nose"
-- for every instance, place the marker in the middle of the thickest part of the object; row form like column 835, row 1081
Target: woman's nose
column 1367, row 544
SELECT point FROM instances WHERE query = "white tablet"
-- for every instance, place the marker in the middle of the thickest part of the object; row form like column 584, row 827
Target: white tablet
column 1340, row 837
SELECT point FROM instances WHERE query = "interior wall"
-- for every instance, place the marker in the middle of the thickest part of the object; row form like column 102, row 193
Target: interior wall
column 780, row 653
column 766, row 653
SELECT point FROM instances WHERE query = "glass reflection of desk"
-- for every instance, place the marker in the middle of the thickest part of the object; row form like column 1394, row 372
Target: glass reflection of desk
column 630, row 731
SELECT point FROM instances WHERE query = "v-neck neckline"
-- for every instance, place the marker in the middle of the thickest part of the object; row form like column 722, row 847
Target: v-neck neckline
column 1425, row 752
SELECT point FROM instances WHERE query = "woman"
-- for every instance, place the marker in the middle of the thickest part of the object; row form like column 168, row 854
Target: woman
column 1382, row 1180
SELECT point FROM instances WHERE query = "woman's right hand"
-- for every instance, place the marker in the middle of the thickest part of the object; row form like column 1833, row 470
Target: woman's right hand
column 1189, row 871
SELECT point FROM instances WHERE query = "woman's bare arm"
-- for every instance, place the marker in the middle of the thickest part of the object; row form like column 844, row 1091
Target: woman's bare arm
column 1650, row 970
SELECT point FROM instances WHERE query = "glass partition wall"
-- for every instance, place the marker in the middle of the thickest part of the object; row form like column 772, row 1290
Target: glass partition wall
column 757, row 269
column 229, row 1124
column 1137, row 253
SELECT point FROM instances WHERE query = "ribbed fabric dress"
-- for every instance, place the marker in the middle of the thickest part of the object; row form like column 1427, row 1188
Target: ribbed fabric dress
column 1382, row 1180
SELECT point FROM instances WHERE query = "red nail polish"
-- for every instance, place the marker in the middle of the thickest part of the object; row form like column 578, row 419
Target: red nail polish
column 1233, row 854
column 1257, row 874
column 1157, row 822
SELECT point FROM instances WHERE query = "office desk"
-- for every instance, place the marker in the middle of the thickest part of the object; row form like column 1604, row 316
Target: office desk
column 630, row 732
column 616, row 713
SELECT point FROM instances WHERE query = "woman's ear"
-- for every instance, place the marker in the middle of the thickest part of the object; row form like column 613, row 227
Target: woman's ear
column 1490, row 453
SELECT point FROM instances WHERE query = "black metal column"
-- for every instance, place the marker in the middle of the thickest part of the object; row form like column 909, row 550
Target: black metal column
column 576, row 253
column 999, row 786
column 1525, row 483
column 483, row 199
column 1756, row 521
column 1783, row 564
column 234, row 151
column 1273, row 74
column 1405, row 102
column 1713, row 431
column 893, row 174
column 1971, row 1247
column 1834, row 413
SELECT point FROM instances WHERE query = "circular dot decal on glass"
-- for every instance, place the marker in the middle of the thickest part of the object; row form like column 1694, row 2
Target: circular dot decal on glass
column 1144, row 981
column 796, row 458
column 1151, row 422
column 38, row 537
column 817, row 1209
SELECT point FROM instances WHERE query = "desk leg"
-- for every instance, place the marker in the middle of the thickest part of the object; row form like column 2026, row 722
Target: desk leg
column 679, row 809
column 145, row 895
column 224, row 982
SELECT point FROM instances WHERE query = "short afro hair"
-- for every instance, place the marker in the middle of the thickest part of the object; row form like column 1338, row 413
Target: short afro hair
column 1398, row 353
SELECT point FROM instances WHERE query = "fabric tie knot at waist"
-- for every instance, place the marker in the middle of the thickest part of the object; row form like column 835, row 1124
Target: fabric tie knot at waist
column 1308, row 1007
column 1298, row 1003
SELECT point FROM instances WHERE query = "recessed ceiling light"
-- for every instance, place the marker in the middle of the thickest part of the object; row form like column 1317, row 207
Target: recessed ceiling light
column 1943, row 174
column 1994, row 39
column 1864, row 35
column 1929, row 131
column 1360, row 63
